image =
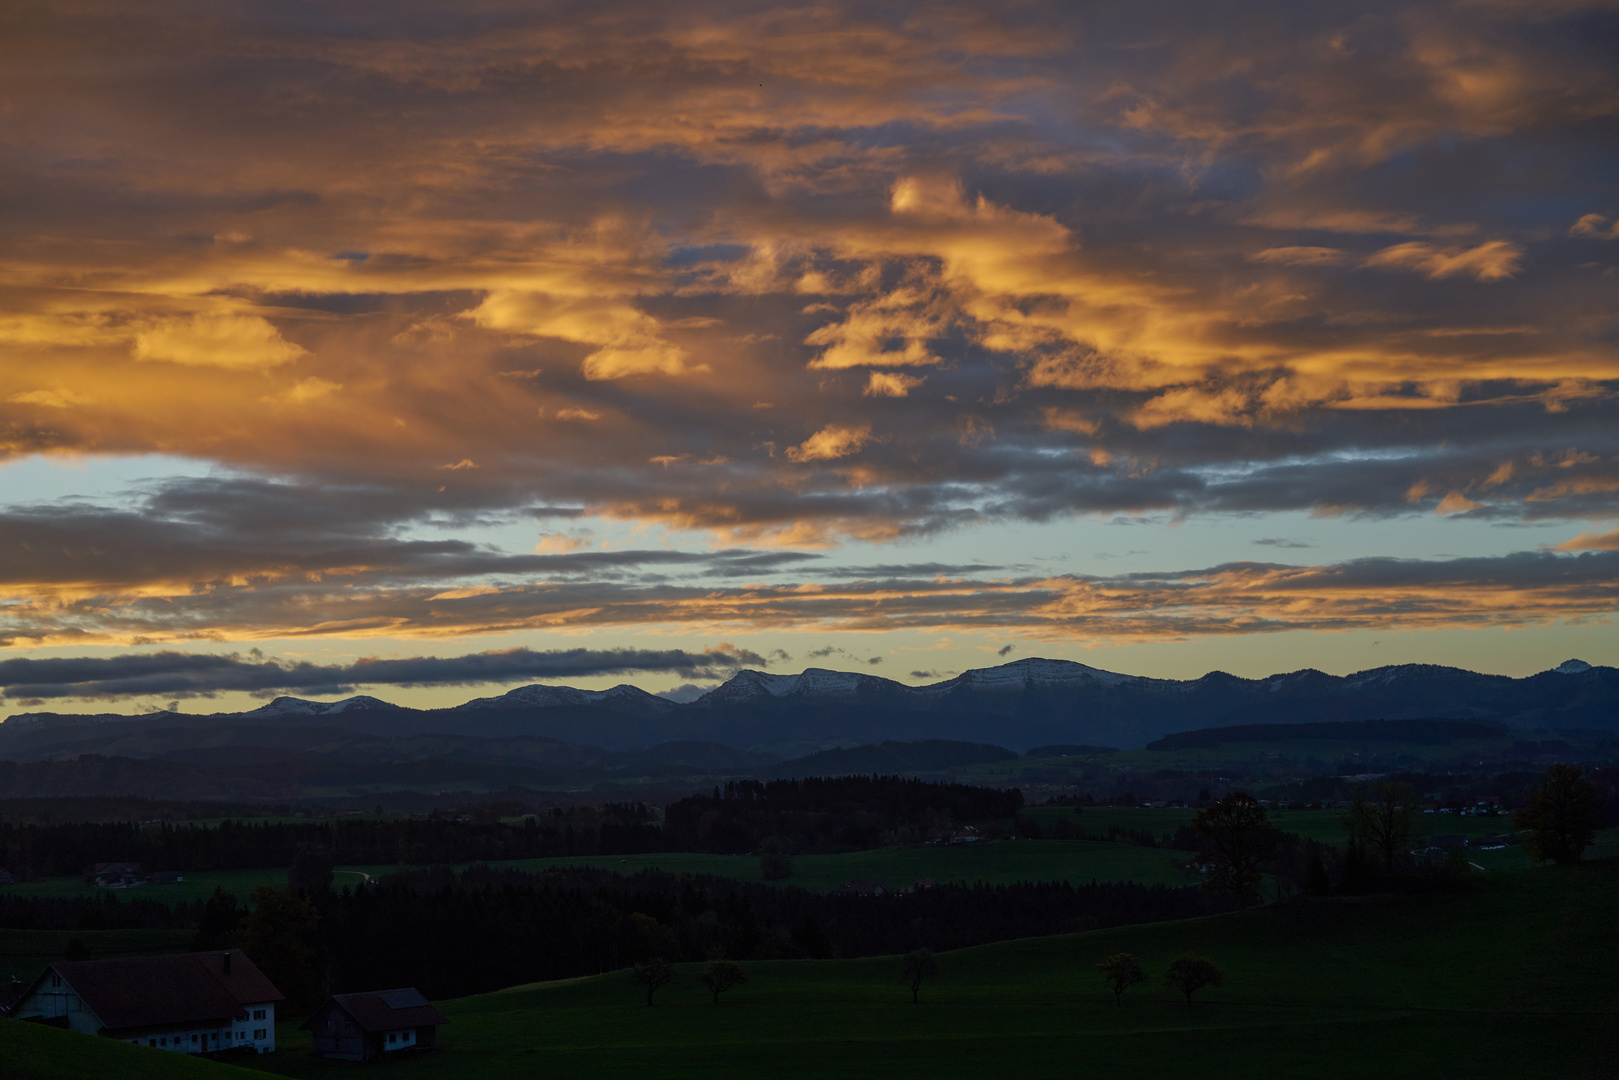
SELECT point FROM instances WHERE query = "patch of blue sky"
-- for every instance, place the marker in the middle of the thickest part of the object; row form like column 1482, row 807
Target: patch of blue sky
column 107, row 480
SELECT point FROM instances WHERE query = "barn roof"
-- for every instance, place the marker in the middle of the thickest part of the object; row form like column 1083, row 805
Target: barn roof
column 148, row 991
column 389, row 1010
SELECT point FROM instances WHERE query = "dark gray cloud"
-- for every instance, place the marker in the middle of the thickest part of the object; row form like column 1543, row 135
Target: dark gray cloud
column 192, row 674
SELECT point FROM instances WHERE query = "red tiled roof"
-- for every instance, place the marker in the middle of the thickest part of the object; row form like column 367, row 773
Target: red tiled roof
column 373, row 1014
column 148, row 991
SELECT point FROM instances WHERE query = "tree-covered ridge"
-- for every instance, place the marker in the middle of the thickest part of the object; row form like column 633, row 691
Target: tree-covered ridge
column 842, row 813
column 1419, row 732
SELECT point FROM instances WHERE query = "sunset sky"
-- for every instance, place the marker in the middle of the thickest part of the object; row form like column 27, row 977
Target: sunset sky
column 426, row 349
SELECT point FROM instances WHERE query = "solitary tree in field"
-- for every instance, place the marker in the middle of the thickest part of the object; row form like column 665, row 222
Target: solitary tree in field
column 652, row 974
column 1561, row 816
column 1189, row 974
column 1121, row 971
column 1384, row 821
column 775, row 864
column 720, row 975
column 1237, row 839
column 919, row 964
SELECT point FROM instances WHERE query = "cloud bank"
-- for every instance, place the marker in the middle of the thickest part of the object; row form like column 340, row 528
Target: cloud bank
column 792, row 277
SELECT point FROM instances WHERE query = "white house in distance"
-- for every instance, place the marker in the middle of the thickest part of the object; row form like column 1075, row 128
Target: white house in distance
column 192, row 1003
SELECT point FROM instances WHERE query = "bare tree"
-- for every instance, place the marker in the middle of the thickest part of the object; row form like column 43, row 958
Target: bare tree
column 1189, row 974
column 652, row 974
column 1384, row 821
column 1237, row 839
column 918, row 965
column 720, row 975
column 1121, row 971
column 1562, row 816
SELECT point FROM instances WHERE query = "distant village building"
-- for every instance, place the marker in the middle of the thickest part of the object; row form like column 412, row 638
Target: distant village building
column 115, row 875
column 192, row 1003
column 861, row 888
column 370, row 1026
column 1447, row 843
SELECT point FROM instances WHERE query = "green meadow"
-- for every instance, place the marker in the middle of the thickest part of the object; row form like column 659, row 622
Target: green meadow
column 1511, row 976
column 993, row 862
column 999, row 862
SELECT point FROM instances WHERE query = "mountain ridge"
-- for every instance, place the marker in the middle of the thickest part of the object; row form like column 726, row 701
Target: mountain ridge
column 1028, row 702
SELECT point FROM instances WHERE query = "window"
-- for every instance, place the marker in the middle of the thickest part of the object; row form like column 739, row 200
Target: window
column 258, row 1014
column 259, row 1034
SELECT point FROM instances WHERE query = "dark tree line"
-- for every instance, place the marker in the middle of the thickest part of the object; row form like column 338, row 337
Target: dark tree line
column 454, row 934
column 68, row 849
column 104, row 912
column 827, row 814
column 838, row 814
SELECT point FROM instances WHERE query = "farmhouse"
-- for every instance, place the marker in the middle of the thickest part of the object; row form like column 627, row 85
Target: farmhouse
column 369, row 1026
column 193, row 1003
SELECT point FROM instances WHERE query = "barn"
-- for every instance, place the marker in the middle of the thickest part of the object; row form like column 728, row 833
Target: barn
column 373, row 1025
column 191, row 1003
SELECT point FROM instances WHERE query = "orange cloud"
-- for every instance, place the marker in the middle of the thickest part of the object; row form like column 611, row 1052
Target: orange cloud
column 831, row 442
column 1592, row 542
column 1495, row 260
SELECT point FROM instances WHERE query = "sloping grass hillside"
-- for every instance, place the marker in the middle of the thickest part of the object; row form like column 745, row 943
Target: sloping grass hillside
column 1512, row 977
column 36, row 1052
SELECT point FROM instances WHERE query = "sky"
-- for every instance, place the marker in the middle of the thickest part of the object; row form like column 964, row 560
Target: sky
column 426, row 350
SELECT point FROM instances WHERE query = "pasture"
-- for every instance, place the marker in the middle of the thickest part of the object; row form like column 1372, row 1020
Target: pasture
column 1509, row 976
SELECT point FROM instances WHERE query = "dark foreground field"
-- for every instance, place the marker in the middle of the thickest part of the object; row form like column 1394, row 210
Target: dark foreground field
column 1513, row 977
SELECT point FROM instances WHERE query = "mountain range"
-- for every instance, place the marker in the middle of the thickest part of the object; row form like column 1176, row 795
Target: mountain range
column 1027, row 703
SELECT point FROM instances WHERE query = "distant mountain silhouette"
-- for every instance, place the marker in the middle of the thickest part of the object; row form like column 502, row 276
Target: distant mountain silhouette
column 1028, row 703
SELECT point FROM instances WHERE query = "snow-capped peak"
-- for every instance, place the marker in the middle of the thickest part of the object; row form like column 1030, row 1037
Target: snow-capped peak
column 291, row 706
column 1572, row 667
column 750, row 685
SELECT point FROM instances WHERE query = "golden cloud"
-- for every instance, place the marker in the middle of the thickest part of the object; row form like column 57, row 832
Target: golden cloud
column 1495, row 260
column 831, row 442
column 217, row 340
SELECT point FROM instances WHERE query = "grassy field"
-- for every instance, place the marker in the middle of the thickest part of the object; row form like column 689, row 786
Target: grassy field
column 1510, row 977
column 36, row 1052
column 997, row 863
column 198, row 885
